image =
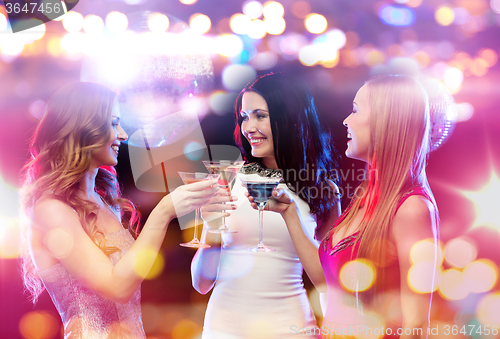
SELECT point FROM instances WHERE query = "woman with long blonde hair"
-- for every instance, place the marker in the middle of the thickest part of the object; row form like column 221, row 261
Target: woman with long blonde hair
column 392, row 209
column 77, row 235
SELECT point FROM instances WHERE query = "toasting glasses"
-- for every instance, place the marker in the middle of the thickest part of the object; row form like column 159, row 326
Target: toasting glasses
column 261, row 189
column 227, row 170
column 189, row 178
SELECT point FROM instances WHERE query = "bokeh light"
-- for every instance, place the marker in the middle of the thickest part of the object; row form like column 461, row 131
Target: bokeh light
column 485, row 202
column 93, row 24
column 453, row 78
column 252, row 9
column 396, row 16
column 116, row 22
column 315, row 23
column 459, row 252
column 357, row 275
column 480, row 275
column 488, row 310
column 421, row 275
column 38, row 325
column 444, row 15
column 257, row 29
column 264, row 60
column 301, row 9
column 3, row 22
column 143, row 260
column 275, row 25
column 235, row 77
column 200, row 23
column 453, row 286
column 465, row 111
column 228, row 45
column 222, row 102
column 495, row 6
column 273, row 9
column 479, row 67
column 72, row 22
column 158, row 23
column 74, row 42
column 424, row 250
column 188, row 2
column 488, row 55
column 240, row 23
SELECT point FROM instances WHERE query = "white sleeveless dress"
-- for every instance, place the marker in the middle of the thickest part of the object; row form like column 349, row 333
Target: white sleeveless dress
column 259, row 295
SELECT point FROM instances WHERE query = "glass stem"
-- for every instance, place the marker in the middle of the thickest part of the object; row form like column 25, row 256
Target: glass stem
column 223, row 226
column 196, row 218
column 261, row 228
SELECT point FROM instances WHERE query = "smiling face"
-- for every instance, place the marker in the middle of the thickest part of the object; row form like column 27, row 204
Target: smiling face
column 256, row 127
column 107, row 155
column 358, row 126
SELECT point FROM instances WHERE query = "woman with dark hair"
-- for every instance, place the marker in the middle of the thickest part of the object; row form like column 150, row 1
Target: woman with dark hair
column 74, row 242
column 392, row 210
column 262, row 294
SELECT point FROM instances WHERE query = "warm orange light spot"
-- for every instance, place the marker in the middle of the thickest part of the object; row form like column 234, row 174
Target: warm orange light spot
column 424, row 251
column 479, row 67
column 422, row 58
column 488, row 55
column 143, row 261
column 186, row 328
column 9, row 237
column 357, row 275
column 38, row 325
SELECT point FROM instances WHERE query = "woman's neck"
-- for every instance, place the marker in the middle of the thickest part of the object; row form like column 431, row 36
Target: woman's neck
column 270, row 162
column 87, row 184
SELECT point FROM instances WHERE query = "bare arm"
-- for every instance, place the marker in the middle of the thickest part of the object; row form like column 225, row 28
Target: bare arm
column 413, row 222
column 205, row 263
column 88, row 264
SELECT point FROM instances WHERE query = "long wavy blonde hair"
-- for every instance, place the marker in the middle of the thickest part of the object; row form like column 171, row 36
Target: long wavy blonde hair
column 76, row 122
column 399, row 146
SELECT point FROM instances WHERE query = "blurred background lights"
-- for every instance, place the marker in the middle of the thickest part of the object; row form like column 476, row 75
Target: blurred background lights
column 200, row 23
column 423, row 251
column 38, row 325
column 3, row 22
column 488, row 309
column 74, row 42
column 301, row 9
column 420, row 277
column 485, row 202
column 308, row 56
column 145, row 256
column 116, row 22
column 257, row 29
column 336, row 37
column 444, row 15
column 188, row 2
column 273, row 9
column 291, row 44
column 222, row 102
column 316, row 23
column 488, row 55
column 275, row 25
column 93, row 24
column 158, row 23
column 228, row 45
column 459, row 252
column 453, row 78
column 396, row 16
column 252, row 9
column 465, row 111
column 495, row 6
column 193, row 150
column 11, row 45
column 72, row 21
column 264, row 60
column 357, row 275
column 452, row 286
column 9, row 237
column 235, row 77
column 240, row 23
column 480, row 275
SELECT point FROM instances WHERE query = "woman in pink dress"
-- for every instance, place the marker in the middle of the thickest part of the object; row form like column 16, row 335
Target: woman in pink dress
column 392, row 210
column 75, row 243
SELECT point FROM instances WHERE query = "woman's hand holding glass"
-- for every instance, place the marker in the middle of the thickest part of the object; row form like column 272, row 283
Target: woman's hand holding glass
column 216, row 207
column 186, row 198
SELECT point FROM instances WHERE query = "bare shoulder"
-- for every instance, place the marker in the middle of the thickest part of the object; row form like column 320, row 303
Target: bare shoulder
column 50, row 212
column 415, row 214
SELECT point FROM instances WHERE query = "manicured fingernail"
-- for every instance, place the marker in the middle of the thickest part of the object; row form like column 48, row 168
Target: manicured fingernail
column 227, row 215
column 233, row 207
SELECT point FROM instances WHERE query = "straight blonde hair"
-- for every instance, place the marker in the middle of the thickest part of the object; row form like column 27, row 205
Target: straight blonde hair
column 399, row 145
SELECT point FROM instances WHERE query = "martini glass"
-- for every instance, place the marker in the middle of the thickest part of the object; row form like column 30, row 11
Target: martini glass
column 189, row 178
column 260, row 189
column 227, row 170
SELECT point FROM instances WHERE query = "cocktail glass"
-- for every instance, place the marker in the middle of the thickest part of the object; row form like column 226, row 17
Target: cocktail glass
column 261, row 189
column 227, row 170
column 189, row 178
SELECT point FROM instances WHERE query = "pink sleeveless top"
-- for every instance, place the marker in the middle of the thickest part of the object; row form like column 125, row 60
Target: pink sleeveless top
column 345, row 316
